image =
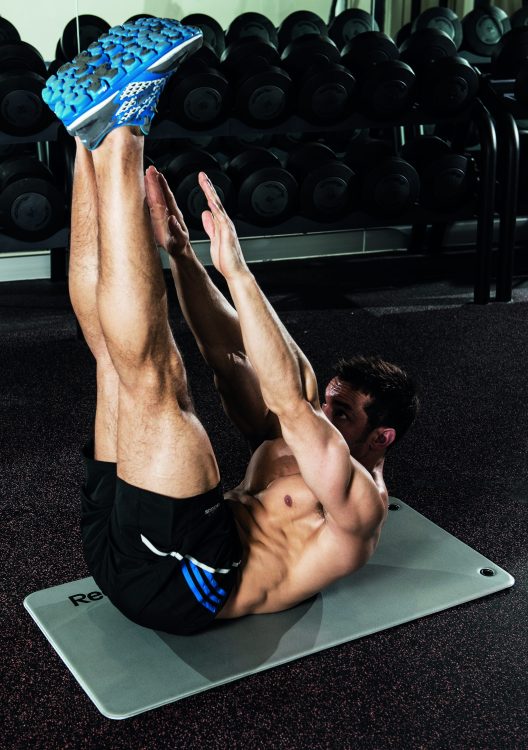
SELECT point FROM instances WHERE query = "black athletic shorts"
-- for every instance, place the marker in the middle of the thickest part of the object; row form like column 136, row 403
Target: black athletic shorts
column 165, row 563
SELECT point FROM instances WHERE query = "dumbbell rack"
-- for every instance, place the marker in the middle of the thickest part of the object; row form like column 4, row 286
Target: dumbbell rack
column 509, row 115
column 58, row 243
column 417, row 217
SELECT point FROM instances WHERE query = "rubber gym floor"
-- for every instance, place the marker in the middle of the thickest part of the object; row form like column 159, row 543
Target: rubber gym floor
column 453, row 680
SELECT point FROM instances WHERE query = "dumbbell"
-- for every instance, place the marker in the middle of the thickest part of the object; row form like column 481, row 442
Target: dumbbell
column 90, row 29
column 385, row 83
column 198, row 95
column 403, row 34
column 8, row 33
column 349, row 24
column 32, row 207
column 261, row 87
column 324, row 87
column 520, row 17
column 427, row 45
column 251, row 25
column 300, row 23
column 510, row 53
column 267, row 193
column 213, row 34
column 389, row 184
column 182, row 175
column 483, row 28
column 446, row 82
column 447, row 179
column 328, row 189
column 22, row 77
column 441, row 19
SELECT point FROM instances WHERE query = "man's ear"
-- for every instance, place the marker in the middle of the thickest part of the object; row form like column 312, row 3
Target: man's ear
column 383, row 437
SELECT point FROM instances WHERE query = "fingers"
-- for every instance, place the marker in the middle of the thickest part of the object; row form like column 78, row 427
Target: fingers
column 169, row 198
column 153, row 191
column 213, row 201
column 208, row 224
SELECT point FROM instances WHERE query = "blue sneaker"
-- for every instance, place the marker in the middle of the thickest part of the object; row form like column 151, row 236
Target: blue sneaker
column 119, row 78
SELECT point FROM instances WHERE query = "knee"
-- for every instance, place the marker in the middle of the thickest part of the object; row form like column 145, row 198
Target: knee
column 156, row 380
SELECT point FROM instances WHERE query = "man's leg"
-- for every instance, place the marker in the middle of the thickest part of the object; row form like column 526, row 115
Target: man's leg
column 161, row 445
column 83, row 276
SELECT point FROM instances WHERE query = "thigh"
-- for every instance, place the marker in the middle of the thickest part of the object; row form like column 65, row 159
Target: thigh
column 160, row 446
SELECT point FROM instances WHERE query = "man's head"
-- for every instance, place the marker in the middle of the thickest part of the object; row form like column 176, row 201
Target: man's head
column 372, row 403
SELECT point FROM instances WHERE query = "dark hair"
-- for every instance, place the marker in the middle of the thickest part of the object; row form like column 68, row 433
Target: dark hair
column 394, row 395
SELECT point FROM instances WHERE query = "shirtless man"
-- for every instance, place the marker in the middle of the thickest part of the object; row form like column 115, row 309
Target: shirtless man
column 159, row 537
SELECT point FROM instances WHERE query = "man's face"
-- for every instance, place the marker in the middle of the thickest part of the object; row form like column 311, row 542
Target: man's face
column 343, row 407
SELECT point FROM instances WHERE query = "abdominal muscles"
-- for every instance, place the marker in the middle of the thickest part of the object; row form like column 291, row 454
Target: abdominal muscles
column 281, row 529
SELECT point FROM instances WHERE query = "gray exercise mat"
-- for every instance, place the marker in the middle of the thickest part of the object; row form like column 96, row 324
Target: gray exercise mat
column 418, row 569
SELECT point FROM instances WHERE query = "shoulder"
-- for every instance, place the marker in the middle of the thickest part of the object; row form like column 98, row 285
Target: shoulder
column 364, row 509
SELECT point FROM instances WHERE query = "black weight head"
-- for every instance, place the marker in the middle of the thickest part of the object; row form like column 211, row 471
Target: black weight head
column 213, row 33
column 387, row 89
column 448, row 184
column 22, row 111
column 300, row 23
column 390, row 188
column 31, row 206
column 251, row 24
column 349, row 24
column 363, row 154
column 447, row 179
column 267, row 193
column 423, row 150
column 198, row 96
column 328, row 187
column 307, row 50
column 244, row 163
column 8, row 32
column 403, row 34
column 442, row 19
column 307, row 157
column 447, row 86
column 236, row 55
column 262, row 97
column 510, row 53
column 261, row 88
column 519, row 18
column 90, row 29
column 22, row 78
column 325, row 93
column 427, row 45
column 20, row 57
column 182, row 175
column 484, row 28
column 367, row 49
column 206, row 54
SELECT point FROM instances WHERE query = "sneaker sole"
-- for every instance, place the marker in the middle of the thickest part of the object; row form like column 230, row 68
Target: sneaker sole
column 101, row 69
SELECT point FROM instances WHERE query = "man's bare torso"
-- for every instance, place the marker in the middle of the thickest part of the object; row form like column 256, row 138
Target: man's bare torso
column 292, row 548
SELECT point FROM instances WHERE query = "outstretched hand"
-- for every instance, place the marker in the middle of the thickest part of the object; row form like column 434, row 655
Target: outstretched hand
column 226, row 252
column 170, row 231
